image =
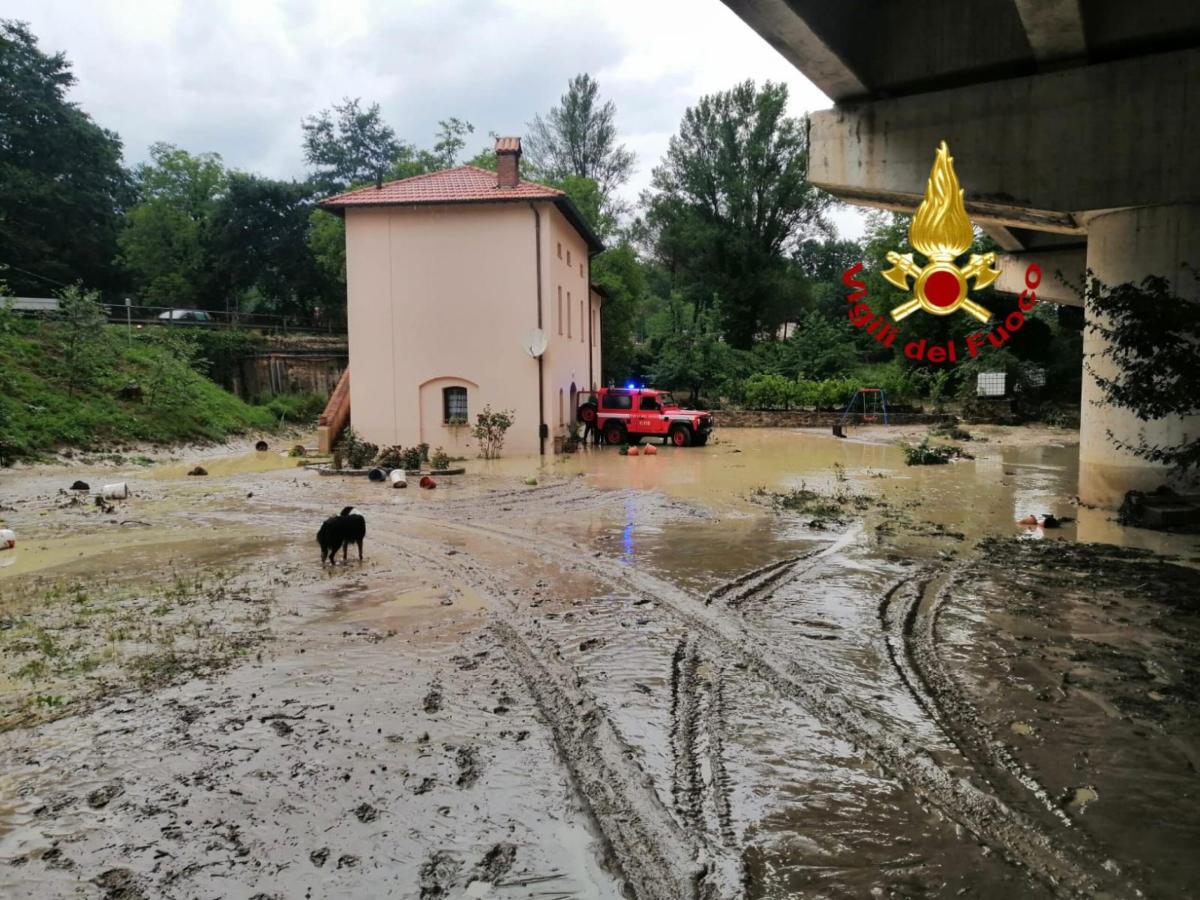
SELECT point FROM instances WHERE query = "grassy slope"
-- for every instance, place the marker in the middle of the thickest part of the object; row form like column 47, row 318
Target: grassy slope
column 38, row 412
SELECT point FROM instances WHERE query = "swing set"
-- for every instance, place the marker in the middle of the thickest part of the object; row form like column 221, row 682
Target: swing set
column 869, row 404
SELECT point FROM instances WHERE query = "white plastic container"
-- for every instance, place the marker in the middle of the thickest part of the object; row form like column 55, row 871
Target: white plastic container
column 8, row 539
column 118, row 491
column 398, row 478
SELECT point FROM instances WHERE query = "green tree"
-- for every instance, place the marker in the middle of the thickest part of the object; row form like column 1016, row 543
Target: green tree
column 729, row 199
column 1150, row 335
column 621, row 274
column 165, row 240
column 452, row 138
column 590, row 201
column 80, row 334
column 63, row 185
column 820, row 348
column 348, row 145
column 579, row 137
column 327, row 243
column 691, row 355
column 260, row 243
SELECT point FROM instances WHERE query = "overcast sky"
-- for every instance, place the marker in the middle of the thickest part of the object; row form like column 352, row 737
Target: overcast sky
column 238, row 76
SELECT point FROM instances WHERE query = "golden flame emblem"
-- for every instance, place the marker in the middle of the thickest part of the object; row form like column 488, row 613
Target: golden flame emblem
column 941, row 231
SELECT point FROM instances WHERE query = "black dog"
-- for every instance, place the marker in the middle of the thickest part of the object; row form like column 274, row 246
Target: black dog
column 339, row 532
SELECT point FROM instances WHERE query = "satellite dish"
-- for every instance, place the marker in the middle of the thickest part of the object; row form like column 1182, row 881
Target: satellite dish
column 535, row 343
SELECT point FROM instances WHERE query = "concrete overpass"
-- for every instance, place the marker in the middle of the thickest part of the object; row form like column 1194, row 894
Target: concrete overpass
column 1075, row 127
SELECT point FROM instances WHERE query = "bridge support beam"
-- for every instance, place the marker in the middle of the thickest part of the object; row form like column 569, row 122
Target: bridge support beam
column 1127, row 245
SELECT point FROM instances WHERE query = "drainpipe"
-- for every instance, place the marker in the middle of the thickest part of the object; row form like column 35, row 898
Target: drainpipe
column 591, row 315
column 537, row 238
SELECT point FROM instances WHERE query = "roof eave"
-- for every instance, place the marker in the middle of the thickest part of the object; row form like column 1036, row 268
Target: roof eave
column 563, row 202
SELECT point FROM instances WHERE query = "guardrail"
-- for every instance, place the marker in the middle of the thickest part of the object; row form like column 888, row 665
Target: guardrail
column 187, row 317
column 179, row 317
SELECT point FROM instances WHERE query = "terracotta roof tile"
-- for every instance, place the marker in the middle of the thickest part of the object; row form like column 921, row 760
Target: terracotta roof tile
column 464, row 184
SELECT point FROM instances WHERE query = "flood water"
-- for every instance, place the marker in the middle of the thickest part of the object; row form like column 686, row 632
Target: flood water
column 524, row 687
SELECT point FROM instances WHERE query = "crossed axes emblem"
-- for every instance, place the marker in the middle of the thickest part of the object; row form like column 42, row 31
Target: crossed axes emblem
column 948, row 291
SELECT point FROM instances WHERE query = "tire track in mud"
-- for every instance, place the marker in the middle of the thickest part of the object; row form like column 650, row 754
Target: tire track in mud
column 750, row 584
column 984, row 814
column 660, row 858
column 910, row 631
column 700, row 782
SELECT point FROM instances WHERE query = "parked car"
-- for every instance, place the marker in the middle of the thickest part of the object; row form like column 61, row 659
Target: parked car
column 197, row 316
column 628, row 414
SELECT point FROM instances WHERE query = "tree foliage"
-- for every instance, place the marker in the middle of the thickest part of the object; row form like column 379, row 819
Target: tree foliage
column 64, row 188
column 260, row 244
column 1152, row 338
column 730, row 199
column 691, row 354
column 164, row 243
column 579, row 137
column 80, row 332
column 348, row 145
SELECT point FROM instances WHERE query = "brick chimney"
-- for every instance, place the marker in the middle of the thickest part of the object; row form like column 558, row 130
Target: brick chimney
column 508, row 162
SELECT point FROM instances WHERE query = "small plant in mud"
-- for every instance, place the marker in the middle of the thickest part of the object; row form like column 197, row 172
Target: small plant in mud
column 926, row 454
column 951, row 430
column 440, row 459
column 391, row 457
column 574, row 437
column 490, row 428
column 297, row 451
column 803, row 501
column 357, row 452
column 74, row 642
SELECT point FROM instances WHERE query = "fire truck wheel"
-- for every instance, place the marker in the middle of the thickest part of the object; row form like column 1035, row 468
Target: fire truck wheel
column 587, row 413
column 701, row 440
column 681, row 435
column 614, row 433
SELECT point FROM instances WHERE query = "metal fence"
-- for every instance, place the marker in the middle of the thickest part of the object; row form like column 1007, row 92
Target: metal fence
column 136, row 316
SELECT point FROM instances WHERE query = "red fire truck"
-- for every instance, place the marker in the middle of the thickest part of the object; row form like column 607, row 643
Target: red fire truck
column 625, row 415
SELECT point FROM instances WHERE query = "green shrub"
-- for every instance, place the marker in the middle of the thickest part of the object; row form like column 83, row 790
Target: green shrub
column 297, row 409
column 391, row 457
column 440, row 459
column 357, row 452
column 769, row 392
column 926, row 454
column 490, row 428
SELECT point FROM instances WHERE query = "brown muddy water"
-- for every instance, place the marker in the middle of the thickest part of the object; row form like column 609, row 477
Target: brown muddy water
column 641, row 677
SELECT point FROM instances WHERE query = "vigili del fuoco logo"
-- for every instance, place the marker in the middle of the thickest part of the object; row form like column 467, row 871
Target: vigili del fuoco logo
column 941, row 232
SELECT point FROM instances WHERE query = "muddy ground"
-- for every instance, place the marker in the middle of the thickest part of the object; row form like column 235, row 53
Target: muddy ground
column 780, row 665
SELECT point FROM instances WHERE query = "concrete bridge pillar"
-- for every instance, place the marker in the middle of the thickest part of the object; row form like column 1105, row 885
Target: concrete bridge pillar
column 1127, row 245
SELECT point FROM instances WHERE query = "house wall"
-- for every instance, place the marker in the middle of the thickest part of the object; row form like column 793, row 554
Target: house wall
column 445, row 296
column 597, row 301
column 567, row 323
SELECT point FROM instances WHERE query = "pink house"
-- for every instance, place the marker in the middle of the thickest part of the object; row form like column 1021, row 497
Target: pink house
column 448, row 276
